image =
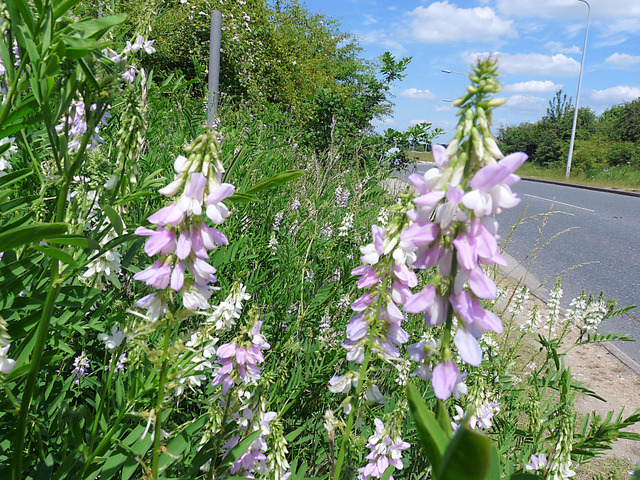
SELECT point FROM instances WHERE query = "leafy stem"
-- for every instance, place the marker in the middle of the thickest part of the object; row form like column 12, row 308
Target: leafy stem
column 161, row 386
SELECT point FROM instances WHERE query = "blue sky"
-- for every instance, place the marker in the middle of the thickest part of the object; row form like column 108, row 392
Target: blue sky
column 538, row 42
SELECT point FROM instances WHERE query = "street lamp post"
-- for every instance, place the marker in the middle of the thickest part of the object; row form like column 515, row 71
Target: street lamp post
column 575, row 113
column 456, row 73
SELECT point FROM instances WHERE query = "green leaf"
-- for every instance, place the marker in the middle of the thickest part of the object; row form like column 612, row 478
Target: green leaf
column 13, row 177
column 63, row 7
column 468, row 456
column 179, row 443
column 114, row 218
column 33, row 233
column 442, row 415
column 16, row 204
column 56, row 253
column 24, row 109
column 494, row 468
column 8, row 130
column 25, row 12
column 387, row 473
column 242, row 198
column 432, row 437
column 98, row 25
column 77, row 48
column 525, row 476
column 275, row 181
column 75, row 240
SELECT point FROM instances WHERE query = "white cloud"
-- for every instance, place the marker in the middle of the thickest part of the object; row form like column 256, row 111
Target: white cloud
column 444, row 108
column 569, row 8
column 558, row 47
column 369, row 19
column 383, row 38
column 385, row 122
column 610, row 41
column 526, row 103
column 611, row 96
column 417, row 94
column 622, row 60
column 445, row 22
column 416, row 122
column 557, row 65
column 533, row 86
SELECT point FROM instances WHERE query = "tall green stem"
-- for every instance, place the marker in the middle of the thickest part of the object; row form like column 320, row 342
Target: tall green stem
column 41, row 338
column 161, row 386
column 361, row 382
column 38, row 350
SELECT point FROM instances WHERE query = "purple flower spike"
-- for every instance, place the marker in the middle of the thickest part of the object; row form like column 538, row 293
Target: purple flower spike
column 211, row 237
column 481, row 285
column 440, row 156
column 357, row 328
column 191, row 200
column 184, row 245
column 462, row 304
column 468, row 347
column 362, row 302
column 160, row 240
column 156, row 275
column 169, row 215
column 491, row 175
column 177, row 276
column 486, row 320
column 220, row 193
column 421, row 301
column 444, row 378
column 369, row 276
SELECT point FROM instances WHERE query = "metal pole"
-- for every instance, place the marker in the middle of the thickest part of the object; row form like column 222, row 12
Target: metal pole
column 457, row 73
column 214, row 65
column 575, row 113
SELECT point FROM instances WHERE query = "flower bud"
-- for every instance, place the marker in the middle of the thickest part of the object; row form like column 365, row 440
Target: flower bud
column 173, row 188
column 181, row 164
column 491, row 145
column 496, row 102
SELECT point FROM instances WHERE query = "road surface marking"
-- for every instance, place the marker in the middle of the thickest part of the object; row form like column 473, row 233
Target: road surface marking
column 559, row 203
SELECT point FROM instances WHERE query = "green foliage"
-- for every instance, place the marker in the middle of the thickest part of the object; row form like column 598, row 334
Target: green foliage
column 604, row 141
column 347, row 113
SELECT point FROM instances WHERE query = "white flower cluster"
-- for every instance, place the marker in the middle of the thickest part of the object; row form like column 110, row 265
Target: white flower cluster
column 6, row 364
column 586, row 314
column 533, row 321
column 554, row 306
column 346, row 225
column 201, row 367
column 224, row 315
column 6, row 155
column 520, row 301
column 105, row 267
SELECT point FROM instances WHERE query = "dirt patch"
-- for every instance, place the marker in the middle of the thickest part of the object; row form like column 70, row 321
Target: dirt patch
column 600, row 371
column 611, row 379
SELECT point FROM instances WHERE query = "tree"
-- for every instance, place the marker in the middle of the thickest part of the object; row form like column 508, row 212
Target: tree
column 558, row 107
column 394, row 137
column 348, row 107
column 629, row 123
column 422, row 133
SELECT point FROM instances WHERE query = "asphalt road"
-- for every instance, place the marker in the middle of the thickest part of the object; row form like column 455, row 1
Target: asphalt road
column 590, row 239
